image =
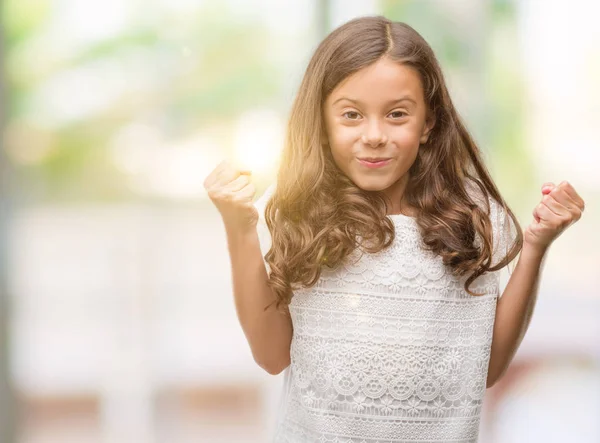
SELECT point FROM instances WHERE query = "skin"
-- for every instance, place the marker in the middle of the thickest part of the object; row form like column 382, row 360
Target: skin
column 560, row 207
column 368, row 125
column 379, row 111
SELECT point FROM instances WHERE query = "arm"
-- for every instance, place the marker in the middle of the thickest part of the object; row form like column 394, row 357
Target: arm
column 560, row 207
column 269, row 333
column 514, row 311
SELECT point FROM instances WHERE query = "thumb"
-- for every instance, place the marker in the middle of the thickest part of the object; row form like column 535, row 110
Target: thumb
column 547, row 188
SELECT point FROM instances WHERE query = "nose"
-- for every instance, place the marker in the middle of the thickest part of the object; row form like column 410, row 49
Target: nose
column 374, row 135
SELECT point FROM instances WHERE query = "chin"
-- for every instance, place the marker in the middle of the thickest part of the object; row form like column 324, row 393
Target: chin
column 372, row 185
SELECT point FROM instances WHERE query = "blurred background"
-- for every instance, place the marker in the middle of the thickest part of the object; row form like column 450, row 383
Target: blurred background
column 117, row 321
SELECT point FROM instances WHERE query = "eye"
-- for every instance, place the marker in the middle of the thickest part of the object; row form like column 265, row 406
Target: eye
column 351, row 115
column 399, row 114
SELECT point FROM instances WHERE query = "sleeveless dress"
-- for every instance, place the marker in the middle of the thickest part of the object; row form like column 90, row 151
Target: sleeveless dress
column 389, row 347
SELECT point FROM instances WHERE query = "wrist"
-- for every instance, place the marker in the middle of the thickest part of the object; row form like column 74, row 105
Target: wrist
column 240, row 233
column 533, row 252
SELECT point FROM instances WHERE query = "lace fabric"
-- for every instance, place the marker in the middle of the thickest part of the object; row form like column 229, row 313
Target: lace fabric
column 389, row 347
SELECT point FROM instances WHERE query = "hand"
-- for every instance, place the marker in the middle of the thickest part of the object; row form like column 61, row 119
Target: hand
column 560, row 207
column 232, row 192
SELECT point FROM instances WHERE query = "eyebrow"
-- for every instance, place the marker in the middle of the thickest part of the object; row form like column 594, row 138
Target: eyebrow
column 389, row 103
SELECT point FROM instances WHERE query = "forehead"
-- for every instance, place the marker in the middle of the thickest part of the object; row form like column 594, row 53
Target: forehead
column 379, row 82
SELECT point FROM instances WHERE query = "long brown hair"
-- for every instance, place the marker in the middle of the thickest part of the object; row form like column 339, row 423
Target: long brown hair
column 316, row 212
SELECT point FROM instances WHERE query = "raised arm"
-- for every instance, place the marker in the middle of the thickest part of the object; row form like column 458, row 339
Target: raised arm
column 560, row 207
column 268, row 332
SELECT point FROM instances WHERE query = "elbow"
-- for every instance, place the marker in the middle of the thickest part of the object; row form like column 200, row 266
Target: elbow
column 493, row 378
column 275, row 370
column 273, row 367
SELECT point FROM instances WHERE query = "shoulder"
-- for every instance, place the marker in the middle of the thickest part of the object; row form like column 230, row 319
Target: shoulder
column 479, row 196
column 484, row 200
column 504, row 230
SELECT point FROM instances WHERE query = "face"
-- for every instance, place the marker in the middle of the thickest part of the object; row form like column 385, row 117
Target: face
column 378, row 113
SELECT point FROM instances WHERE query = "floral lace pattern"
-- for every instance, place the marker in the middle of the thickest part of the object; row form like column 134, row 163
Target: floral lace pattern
column 389, row 347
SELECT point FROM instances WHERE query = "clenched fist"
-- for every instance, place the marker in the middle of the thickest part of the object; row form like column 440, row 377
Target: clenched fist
column 232, row 192
column 561, row 206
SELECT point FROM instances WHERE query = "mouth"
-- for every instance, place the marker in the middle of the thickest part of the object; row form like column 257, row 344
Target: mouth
column 372, row 162
column 374, row 159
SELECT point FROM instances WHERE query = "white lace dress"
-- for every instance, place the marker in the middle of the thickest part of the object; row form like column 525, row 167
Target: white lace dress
column 389, row 347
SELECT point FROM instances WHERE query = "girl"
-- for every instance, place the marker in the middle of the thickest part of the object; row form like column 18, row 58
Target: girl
column 382, row 241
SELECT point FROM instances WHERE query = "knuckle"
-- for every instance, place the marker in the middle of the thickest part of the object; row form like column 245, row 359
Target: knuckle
column 213, row 194
column 225, row 166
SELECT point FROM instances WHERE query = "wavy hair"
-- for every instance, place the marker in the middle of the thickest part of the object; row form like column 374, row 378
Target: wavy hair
column 316, row 212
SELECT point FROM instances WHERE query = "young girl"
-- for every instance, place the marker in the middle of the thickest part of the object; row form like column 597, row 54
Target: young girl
column 382, row 241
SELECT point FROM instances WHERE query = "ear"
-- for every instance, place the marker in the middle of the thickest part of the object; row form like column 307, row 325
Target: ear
column 429, row 124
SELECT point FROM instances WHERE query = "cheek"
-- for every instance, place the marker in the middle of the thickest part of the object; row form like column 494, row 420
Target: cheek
column 341, row 154
column 406, row 137
column 342, row 142
column 344, row 136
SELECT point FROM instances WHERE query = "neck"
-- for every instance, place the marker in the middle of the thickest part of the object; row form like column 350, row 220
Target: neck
column 395, row 194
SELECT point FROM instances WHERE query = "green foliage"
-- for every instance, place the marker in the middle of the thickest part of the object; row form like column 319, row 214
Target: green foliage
column 214, row 68
column 501, row 118
column 22, row 18
column 447, row 39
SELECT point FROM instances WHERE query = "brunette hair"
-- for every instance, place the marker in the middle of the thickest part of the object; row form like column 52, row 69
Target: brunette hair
column 316, row 212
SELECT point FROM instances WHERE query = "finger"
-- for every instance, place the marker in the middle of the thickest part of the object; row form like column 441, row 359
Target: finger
column 548, row 186
column 542, row 213
column 237, row 184
column 569, row 189
column 212, row 177
column 556, row 207
column 224, row 174
column 246, row 194
column 561, row 196
column 536, row 213
column 567, row 201
column 248, row 191
column 228, row 175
